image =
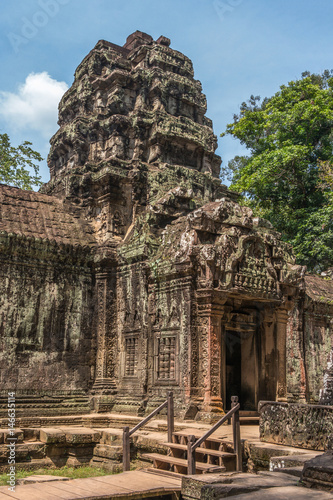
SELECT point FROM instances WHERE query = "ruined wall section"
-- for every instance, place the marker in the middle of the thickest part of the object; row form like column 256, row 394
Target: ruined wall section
column 309, row 341
column 46, row 315
column 46, row 303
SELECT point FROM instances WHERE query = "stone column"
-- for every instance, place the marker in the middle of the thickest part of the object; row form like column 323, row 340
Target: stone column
column 296, row 369
column 209, row 328
column 281, row 330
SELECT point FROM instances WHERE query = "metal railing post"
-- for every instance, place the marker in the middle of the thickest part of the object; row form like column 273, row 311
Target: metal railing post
column 236, row 434
column 171, row 417
column 126, row 449
column 190, row 456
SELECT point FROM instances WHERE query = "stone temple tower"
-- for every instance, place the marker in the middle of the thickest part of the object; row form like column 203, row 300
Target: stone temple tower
column 135, row 270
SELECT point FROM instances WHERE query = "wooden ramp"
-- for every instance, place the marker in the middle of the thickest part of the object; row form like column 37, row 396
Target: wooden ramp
column 131, row 485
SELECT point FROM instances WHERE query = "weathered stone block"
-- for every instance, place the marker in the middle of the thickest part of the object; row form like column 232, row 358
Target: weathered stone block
column 56, row 450
column 318, row 472
column 209, row 487
column 75, row 461
column 81, row 436
column 16, row 434
column 81, row 450
column 108, row 451
column 281, row 462
column 52, row 435
column 31, row 434
column 109, row 436
column 299, row 425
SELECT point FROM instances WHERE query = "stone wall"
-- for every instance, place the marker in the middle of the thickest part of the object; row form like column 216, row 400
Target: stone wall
column 46, row 317
column 46, row 296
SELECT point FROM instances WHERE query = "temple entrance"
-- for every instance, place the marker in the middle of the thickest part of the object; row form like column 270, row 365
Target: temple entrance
column 240, row 367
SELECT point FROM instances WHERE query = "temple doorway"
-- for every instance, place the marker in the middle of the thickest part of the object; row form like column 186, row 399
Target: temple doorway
column 240, row 367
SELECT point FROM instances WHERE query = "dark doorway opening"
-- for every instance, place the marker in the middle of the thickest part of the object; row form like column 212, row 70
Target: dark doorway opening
column 241, row 376
column 233, row 365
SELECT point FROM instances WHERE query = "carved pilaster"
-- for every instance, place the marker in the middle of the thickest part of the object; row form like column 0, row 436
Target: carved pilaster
column 105, row 356
column 209, row 329
column 281, row 327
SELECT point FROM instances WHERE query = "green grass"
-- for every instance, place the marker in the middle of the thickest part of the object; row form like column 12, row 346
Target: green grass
column 74, row 473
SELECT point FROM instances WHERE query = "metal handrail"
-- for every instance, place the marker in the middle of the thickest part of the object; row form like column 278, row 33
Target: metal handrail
column 192, row 445
column 127, row 433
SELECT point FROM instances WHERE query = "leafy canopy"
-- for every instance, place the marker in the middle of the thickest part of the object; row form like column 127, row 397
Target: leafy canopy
column 17, row 165
column 290, row 140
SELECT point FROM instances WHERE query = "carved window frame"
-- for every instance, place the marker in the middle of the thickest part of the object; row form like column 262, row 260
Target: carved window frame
column 137, row 356
column 158, row 337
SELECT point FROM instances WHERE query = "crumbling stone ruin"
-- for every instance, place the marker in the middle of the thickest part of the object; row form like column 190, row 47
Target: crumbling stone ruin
column 134, row 271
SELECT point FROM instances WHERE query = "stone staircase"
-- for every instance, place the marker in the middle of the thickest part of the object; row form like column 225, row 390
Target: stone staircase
column 213, row 456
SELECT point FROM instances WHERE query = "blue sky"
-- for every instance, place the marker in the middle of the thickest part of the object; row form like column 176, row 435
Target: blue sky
column 238, row 48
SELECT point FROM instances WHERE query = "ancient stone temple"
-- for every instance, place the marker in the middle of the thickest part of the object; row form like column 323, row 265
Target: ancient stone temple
column 134, row 271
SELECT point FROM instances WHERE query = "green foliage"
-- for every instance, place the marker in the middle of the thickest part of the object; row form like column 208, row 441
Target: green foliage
column 285, row 178
column 17, row 164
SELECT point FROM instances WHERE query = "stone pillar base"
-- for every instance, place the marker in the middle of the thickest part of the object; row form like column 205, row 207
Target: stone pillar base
column 104, row 386
column 210, row 412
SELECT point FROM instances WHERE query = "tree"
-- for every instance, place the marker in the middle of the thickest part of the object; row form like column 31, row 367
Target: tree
column 17, row 165
column 290, row 139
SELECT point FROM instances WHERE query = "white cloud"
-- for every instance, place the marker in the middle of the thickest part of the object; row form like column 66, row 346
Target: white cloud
column 35, row 105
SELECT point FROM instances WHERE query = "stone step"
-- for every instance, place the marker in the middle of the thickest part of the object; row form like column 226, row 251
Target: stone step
column 293, row 471
column 180, row 464
column 281, row 462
